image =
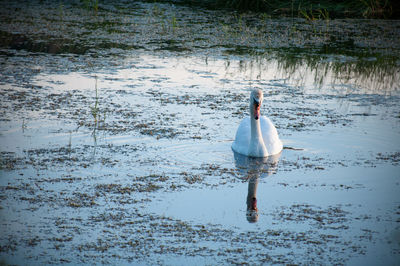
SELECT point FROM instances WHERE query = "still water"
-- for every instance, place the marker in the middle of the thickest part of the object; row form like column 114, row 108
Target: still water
column 126, row 159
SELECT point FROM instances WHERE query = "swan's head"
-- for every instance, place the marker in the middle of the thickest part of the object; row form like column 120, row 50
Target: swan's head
column 256, row 98
column 252, row 211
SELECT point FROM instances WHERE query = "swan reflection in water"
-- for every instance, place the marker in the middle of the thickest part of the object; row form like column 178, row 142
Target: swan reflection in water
column 252, row 169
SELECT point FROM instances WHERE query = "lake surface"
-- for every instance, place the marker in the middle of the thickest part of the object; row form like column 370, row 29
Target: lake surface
column 117, row 125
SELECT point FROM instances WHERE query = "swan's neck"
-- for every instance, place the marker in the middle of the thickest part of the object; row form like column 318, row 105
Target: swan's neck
column 252, row 194
column 255, row 129
column 257, row 146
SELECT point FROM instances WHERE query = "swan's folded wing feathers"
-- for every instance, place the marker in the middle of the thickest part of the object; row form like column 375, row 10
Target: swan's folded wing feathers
column 242, row 138
column 270, row 136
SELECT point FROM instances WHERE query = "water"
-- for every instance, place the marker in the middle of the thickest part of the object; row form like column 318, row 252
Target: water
column 123, row 155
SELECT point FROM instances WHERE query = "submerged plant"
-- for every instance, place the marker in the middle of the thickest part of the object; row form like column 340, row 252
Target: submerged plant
column 174, row 23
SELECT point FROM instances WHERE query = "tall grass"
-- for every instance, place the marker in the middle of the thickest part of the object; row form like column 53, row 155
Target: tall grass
column 91, row 4
column 99, row 123
column 312, row 9
column 377, row 8
column 312, row 14
column 95, row 108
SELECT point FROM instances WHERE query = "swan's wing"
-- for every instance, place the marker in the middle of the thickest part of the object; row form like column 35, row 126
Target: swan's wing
column 270, row 136
column 242, row 138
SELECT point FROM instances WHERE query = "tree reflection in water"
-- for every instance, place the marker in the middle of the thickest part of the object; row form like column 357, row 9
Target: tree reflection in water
column 355, row 71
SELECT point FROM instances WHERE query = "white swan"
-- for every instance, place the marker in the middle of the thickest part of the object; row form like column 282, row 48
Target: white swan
column 257, row 135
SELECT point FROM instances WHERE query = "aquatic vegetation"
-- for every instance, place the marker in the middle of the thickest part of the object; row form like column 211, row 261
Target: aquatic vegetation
column 95, row 111
column 91, row 4
column 312, row 15
column 377, row 8
column 174, row 23
column 95, row 108
column 358, row 8
column 61, row 10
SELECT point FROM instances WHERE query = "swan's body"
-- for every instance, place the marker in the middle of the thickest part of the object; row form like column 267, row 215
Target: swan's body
column 257, row 135
column 266, row 145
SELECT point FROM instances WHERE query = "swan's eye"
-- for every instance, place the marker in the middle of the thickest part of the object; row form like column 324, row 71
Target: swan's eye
column 256, row 102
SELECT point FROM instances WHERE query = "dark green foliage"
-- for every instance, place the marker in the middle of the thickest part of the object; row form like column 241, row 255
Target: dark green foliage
column 340, row 8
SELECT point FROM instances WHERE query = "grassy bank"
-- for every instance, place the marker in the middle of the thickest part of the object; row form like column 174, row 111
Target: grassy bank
column 310, row 9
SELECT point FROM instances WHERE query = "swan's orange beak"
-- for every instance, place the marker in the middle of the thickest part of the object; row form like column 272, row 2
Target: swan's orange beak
column 254, row 204
column 256, row 111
